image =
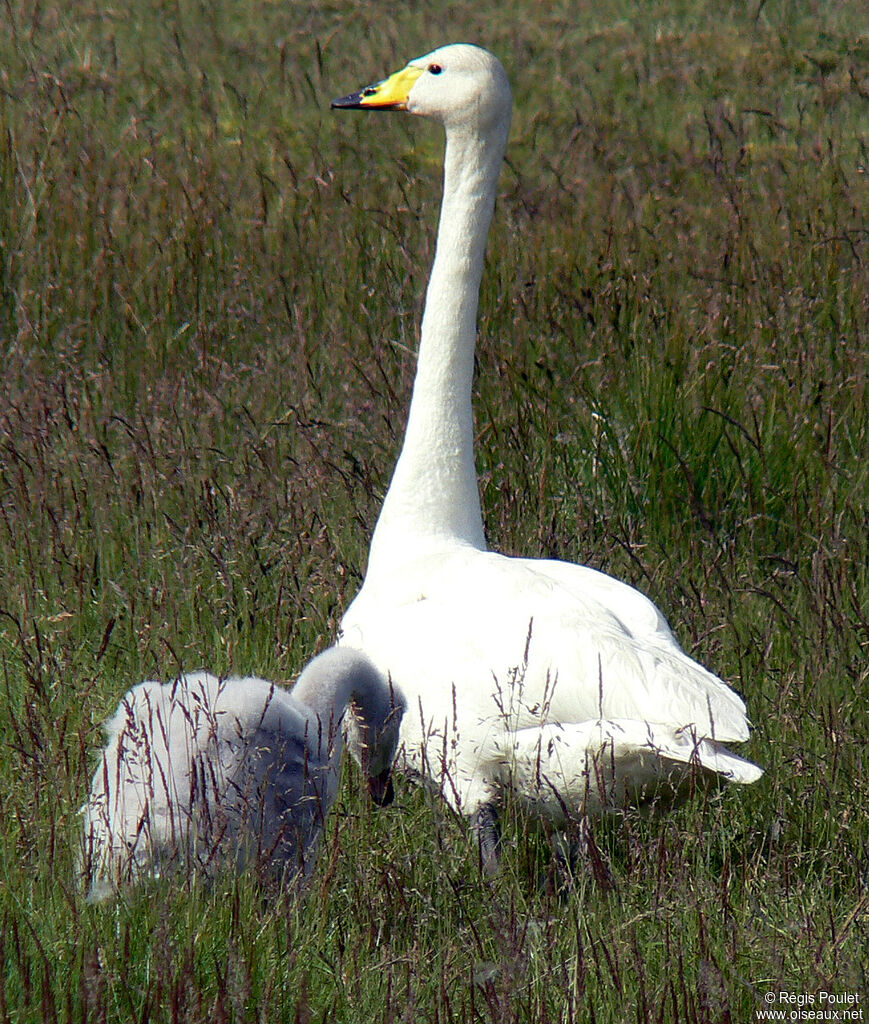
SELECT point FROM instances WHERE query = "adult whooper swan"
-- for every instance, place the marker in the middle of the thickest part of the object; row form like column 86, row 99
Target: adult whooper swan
column 547, row 678
column 203, row 771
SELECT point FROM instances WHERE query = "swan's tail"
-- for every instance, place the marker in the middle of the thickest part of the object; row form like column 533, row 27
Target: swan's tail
column 682, row 746
column 709, row 754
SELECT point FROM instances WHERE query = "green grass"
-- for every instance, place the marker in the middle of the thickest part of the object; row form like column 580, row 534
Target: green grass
column 209, row 291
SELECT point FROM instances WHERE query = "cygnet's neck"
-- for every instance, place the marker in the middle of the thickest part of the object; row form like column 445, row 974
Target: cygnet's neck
column 433, row 498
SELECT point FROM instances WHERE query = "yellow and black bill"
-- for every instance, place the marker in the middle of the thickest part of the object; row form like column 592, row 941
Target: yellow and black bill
column 390, row 94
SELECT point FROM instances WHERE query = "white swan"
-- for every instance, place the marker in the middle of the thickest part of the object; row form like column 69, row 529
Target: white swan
column 547, row 678
column 202, row 770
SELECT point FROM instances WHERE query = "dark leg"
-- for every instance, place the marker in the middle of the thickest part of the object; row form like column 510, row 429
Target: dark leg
column 484, row 823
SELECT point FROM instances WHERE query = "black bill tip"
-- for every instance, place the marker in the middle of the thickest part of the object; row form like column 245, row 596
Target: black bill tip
column 351, row 102
column 354, row 100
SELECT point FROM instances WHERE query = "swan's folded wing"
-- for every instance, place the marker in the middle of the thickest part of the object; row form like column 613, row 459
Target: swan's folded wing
column 553, row 643
column 639, row 616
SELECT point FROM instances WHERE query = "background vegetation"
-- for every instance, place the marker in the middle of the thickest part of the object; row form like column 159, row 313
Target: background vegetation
column 209, row 292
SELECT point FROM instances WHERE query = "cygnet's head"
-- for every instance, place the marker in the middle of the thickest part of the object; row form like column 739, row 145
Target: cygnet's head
column 343, row 678
column 458, row 85
column 372, row 738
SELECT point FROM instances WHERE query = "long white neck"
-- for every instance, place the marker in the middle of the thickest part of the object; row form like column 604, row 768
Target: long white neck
column 433, row 497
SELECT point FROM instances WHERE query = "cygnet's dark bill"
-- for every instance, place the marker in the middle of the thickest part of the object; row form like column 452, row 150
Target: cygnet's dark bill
column 380, row 788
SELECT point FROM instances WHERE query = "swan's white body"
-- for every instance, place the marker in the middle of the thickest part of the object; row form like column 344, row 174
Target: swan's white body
column 203, row 770
column 547, row 678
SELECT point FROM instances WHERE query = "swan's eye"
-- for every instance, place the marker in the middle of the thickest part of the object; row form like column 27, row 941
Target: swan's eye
column 434, row 69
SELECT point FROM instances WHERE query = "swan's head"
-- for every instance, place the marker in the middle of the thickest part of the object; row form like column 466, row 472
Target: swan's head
column 457, row 85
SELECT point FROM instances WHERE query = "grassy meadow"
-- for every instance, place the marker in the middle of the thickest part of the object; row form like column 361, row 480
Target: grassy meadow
column 210, row 287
